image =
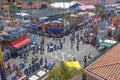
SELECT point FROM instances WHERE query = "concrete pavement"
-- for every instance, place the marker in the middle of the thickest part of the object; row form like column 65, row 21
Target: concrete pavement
column 59, row 55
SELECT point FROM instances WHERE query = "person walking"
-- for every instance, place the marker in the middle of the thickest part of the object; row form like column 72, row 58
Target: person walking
column 45, row 61
column 22, row 64
column 74, row 59
column 63, row 39
column 41, row 61
column 85, row 60
column 48, row 47
column 77, row 37
column 71, row 45
column 77, row 45
column 8, row 66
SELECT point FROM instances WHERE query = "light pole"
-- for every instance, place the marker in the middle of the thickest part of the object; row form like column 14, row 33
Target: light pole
column 2, row 69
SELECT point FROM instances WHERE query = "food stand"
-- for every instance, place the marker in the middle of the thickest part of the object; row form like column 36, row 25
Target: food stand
column 55, row 29
column 16, row 39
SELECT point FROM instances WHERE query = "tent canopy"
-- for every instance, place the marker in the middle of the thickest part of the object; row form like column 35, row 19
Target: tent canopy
column 85, row 7
column 22, row 14
column 106, row 45
column 74, row 64
column 55, row 30
column 33, row 26
column 21, row 43
column 65, row 5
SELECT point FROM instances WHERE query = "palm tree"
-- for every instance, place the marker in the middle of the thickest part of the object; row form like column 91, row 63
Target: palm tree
column 64, row 72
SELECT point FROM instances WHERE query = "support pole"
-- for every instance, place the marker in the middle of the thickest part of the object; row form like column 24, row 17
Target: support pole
column 2, row 69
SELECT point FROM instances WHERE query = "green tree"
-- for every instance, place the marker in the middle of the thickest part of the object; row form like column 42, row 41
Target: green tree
column 117, row 35
column 97, row 10
column 64, row 72
column 109, row 32
column 65, row 17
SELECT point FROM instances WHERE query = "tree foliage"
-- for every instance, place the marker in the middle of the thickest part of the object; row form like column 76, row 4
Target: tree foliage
column 64, row 72
column 64, row 16
column 97, row 10
column 117, row 35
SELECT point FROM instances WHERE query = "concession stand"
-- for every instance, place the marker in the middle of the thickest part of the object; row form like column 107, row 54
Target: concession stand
column 55, row 29
column 15, row 40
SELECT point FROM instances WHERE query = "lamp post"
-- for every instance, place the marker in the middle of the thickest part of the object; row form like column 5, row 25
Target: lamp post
column 2, row 69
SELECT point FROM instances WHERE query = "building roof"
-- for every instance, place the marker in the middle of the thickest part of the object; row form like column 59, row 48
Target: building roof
column 96, row 1
column 24, row 4
column 107, row 66
column 65, row 5
column 48, row 12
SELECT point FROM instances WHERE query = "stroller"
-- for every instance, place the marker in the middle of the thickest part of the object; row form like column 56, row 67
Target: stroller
column 90, row 56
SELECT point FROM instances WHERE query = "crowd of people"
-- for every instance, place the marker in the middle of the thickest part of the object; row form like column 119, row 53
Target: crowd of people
column 54, row 47
column 82, row 36
column 36, row 64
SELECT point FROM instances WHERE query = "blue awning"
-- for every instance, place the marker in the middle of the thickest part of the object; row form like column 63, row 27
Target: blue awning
column 33, row 26
column 55, row 30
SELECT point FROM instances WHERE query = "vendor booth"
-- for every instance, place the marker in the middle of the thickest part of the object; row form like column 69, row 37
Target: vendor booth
column 16, row 40
column 32, row 28
column 22, row 15
column 55, row 29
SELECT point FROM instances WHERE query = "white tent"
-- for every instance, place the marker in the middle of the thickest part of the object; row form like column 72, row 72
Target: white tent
column 22, row 14
column 86, row 7
column 64, row 4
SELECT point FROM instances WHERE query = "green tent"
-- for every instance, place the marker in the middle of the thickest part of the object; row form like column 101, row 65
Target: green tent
column 106, row 45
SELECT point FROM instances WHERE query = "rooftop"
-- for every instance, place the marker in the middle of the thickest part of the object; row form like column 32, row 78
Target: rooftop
column 47, row 12
column 107, row 66
column 8, row 30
